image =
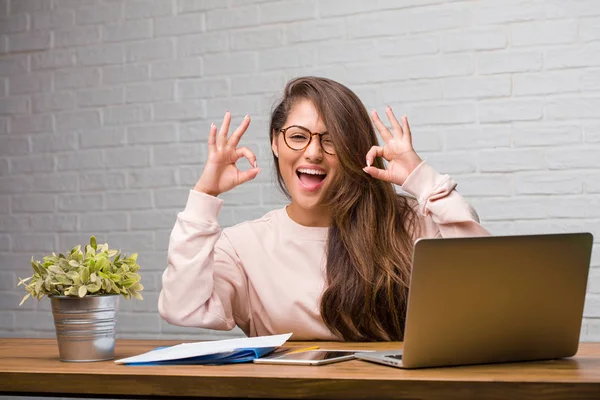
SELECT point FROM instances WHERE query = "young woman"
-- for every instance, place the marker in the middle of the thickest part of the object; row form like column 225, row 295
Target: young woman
column 335, row 263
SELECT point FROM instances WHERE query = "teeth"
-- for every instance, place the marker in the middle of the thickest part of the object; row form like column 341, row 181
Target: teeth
column 310, row 171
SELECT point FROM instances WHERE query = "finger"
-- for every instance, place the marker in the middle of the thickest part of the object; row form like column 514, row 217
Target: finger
column 235, row 137
column 222, row 136
column 383, row 130
column 406, row 127
column 248, row 154
column 245, row 176
column 395, row 124
column 375, row 151
column 212, row 138
column 382, row 174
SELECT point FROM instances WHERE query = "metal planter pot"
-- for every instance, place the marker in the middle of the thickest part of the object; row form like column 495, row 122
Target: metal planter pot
column 85, row 327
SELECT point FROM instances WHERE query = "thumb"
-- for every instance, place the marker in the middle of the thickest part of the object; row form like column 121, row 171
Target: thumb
column 245, row 176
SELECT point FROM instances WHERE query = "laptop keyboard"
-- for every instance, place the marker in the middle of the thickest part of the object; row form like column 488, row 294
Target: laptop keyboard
column 396, row 356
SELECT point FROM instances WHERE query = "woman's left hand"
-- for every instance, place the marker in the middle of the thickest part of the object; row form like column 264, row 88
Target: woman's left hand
column 398, row 150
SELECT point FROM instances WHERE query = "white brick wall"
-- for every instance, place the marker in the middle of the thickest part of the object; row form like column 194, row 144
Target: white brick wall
column 105, row 107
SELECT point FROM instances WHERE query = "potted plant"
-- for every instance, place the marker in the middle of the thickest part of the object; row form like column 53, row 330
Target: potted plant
column 84, row 289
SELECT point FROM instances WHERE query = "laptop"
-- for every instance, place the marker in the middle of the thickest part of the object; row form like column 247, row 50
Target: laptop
column 493, row 299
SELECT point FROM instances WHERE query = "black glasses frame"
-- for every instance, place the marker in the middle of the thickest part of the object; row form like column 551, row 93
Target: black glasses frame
column 320, row 135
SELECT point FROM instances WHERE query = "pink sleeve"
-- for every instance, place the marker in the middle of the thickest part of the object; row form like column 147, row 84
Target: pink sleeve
column 204, row 285
column 443, row 210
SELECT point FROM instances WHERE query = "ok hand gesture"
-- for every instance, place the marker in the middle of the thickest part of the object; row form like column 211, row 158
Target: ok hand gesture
column 398, row 150
column 220, row 172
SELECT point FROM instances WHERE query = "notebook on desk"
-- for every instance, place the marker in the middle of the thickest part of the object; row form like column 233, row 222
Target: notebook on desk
column 493, row 299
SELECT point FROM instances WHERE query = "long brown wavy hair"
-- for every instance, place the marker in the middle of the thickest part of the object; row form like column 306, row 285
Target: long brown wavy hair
column 370, row 239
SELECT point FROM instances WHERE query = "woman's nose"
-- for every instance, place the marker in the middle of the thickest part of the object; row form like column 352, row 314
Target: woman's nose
column 314, row 149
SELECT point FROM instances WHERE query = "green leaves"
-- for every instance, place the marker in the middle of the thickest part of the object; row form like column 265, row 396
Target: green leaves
column 98, row 271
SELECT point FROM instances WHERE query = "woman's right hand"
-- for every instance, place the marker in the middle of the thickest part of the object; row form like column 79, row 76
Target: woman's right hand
column 220, row 172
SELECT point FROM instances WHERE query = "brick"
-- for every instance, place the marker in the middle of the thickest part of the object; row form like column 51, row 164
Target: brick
column 260, row 38
column 510, row 110
column 165, row 133
column 474, row 39
column 547, row 83
column 548, row 183
column 573, row 158
column 8, row 322
column 102, row 181
column 478, row 137
column 589, row 29
column 29, row 41
column 142, row 9
column 179, row 25
column 54, row 222
column 4, row 206
column 11, row 300
column 71, row 4
column 13, row 24
column 511, row 209
column 32, row 203
column 12, row 184
column 182, row 68
column 14, row 146
column 257, row 83
column 179, row 154
column 378, row 24
column 499, row 62
column 149, row 50
column 476, row 87
column 230, row 63
column 53, row 101
column 152, row 178
column 484, row 185
column 101, row 55
column 582, row 8
column 452, row 163
column 290, row 11
column 127, row 114
column 125, row 74
column 511, row 160
column 195, row 131
column 185, row 6
column 126, row 31
column 53, row 59
column 15, row 223
column 202, row 88
column 106, row 137
column 80, row 36
column 31, row 124
column 4, row 246
column 542, row 134
column 3, row 87
column 543, row 33
column 179, row 110
column 189, row 175
column 14, row 65
column 56, row 19
column 4, row 167
column 436, row 19
column 137, row 200
column 100, row 97
column 244, row 195
column 76, row 78
column 55, row 183
column 409, row 91
column 8, row 280
column 580, row 55
column 14, row 105
column 98, row 15
column 171, row 198
column 238, row 106
column 138, row 322
column 444, row 114
column 231, row 18
column 153, row 219
column 80, row 202
column 592, row 183
column 38, row 321
column 574, row 207
column 4, row 126
column 127, row 157
column 314, row 31
column 348, row 52
column 408, row 46
column 76, row 120
column 491, row 12
column 276, row 59
column 28, row 6
column 590, row 80
column 591, row 133
column 23, row 165
column 572, row 108
column 104, row 222
column 193, row 45
column 85, row 159
column 561, row 225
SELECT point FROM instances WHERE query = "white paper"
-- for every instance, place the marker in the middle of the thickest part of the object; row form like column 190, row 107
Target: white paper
column 186, row 350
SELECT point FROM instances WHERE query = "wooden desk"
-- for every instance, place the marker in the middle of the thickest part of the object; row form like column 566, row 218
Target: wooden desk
column 32, row 367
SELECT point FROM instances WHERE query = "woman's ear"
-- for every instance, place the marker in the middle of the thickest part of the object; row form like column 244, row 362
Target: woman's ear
column 274, row 146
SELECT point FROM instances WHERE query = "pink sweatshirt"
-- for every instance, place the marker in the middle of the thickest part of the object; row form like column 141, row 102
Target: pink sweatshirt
column 267, row 275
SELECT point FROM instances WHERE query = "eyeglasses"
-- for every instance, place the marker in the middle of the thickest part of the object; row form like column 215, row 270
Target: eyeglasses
column 298, row 138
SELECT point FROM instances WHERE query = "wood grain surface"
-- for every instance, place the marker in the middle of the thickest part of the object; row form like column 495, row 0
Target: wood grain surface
column 32, row 367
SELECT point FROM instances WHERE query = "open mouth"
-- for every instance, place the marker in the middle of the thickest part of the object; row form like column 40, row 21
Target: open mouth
column 311, row 179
